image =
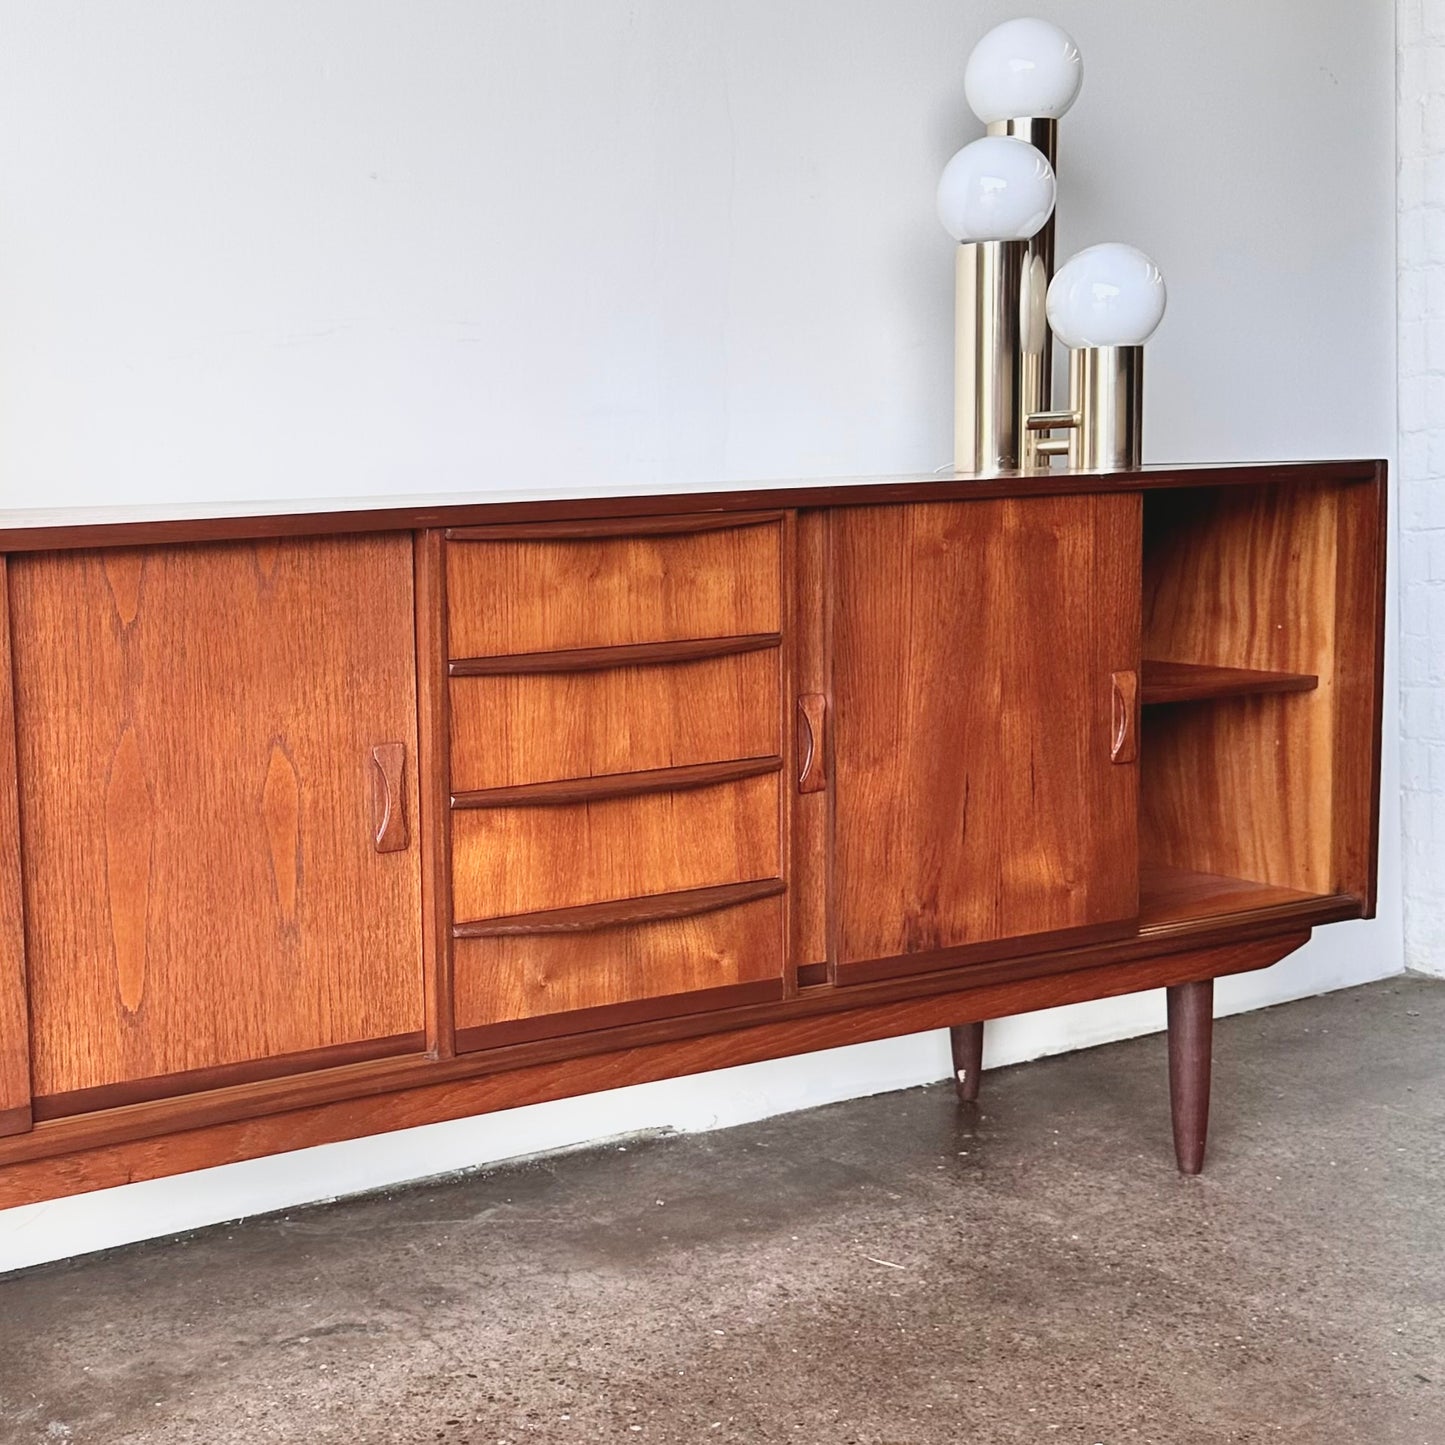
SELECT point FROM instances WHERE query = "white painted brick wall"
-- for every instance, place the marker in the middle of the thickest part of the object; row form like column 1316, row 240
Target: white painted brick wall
column 1421, row 94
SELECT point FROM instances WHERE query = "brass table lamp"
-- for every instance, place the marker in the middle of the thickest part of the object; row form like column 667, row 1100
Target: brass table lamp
column 996, row 197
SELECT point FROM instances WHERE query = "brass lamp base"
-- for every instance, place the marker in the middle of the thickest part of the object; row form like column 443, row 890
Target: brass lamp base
column 1106, row 389
column 1105, row 416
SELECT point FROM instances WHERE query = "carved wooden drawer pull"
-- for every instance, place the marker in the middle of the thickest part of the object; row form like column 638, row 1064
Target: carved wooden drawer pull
column 1124, row 747
column 388, row 815
column 812, row 770
column 623, row 912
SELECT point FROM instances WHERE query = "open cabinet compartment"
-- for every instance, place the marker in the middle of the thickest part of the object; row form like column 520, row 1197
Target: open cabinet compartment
column 1261, row 651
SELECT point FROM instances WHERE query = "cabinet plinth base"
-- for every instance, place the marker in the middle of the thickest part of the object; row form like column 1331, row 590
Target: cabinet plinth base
column 148, row 1141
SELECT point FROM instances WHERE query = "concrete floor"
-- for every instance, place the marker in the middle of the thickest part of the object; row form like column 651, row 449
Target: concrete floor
column 894, row 1271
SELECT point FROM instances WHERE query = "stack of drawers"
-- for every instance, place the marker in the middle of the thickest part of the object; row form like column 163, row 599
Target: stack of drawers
column 616, row 740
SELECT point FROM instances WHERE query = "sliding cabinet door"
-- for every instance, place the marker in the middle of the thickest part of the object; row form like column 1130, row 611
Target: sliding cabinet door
column 217, row 748
column 983, row 660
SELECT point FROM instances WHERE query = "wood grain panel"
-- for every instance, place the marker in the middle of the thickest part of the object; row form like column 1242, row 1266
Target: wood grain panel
column 1240, row 788
column 281, row 812
column 73, row 1156
column 973, row 648
column 517, row 860
column 536, row 596
column 195, row 728
column 1242, row 578
column 508, row 731
column 1273, row 789
column 14, row 1017
column 130, row 829
column 529, row 976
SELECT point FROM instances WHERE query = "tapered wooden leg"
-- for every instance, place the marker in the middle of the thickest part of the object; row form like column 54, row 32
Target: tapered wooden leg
column 1191, row 1036
column 967, row 1040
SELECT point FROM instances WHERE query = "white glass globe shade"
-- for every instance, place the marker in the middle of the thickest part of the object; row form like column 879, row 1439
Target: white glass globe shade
column 1108, row 295
column 997, row 189
column 1023, row 67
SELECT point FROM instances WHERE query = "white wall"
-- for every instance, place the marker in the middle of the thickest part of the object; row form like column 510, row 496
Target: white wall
column 325, row 246
column 1422, row 475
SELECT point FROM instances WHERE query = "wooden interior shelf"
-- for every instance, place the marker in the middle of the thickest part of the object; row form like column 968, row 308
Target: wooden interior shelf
column 1194, row 681
column 1170, row 896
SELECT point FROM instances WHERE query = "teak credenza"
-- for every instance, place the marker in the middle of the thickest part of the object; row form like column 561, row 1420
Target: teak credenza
column 316, row 826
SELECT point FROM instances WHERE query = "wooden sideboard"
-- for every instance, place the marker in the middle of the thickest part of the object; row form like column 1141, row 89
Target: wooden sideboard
column 322, row 825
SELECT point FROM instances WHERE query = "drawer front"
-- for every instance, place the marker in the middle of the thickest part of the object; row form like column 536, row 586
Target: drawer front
column 515, row 860
column 543, row 592
column 534, row 728
column 540, row 985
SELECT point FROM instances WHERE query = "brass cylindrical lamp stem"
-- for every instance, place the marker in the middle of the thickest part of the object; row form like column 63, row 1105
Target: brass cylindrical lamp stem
column 1106, row 393
column 1036, row 353
column 986, row 412
column 1041, row 132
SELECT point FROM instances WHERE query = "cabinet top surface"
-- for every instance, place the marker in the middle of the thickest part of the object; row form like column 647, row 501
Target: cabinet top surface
column 41, row 528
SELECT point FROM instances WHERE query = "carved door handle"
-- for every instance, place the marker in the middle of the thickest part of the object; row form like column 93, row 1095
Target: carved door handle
column 812, row 717
column 1124, row 738
column 388, row 813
